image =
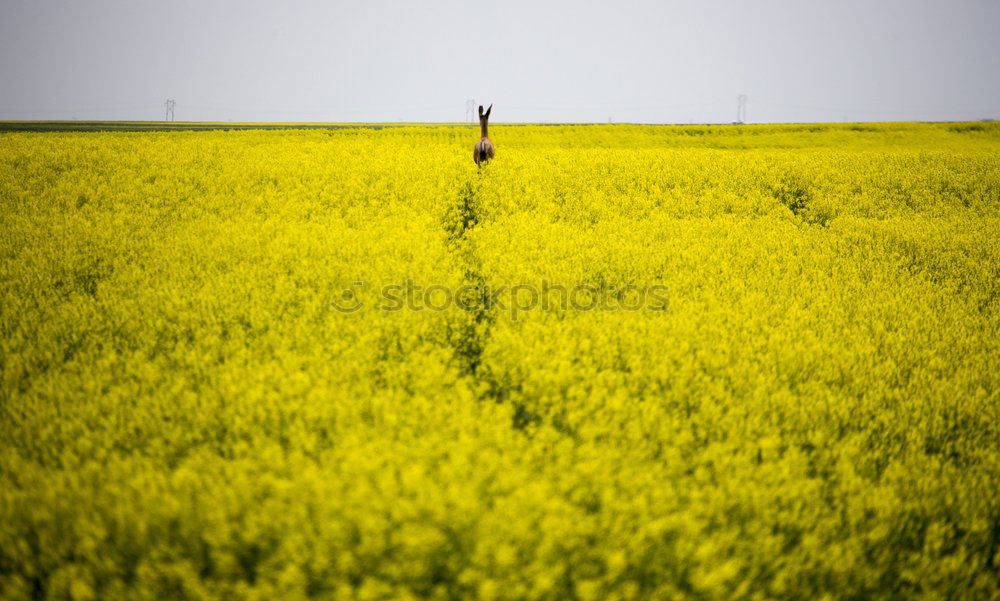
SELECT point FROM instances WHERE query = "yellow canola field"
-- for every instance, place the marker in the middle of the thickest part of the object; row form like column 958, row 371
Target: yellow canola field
column 624, row 362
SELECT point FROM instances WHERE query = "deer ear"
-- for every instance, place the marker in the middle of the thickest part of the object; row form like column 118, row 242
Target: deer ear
column 487, row 115
column 481, row 109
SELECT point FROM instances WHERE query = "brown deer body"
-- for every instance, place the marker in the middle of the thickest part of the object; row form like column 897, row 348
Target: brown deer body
column 483, row 151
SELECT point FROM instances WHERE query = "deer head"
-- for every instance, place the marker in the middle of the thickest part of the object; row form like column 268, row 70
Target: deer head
column 484, row 118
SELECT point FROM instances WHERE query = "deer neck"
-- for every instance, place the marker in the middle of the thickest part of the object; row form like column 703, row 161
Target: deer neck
column 482, row 128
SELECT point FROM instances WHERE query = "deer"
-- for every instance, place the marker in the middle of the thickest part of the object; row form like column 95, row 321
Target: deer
column 483, row 151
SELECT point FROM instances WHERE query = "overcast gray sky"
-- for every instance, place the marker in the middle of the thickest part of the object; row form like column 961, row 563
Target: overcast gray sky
column 653, row 62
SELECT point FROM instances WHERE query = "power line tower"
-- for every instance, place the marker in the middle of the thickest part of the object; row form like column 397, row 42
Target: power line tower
column 741, row 108
column 169, row 106
column 470, row 109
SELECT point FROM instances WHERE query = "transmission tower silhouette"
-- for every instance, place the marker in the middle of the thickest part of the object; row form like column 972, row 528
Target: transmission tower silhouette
column 169, row 106
column 470, row 109
column 741, row 108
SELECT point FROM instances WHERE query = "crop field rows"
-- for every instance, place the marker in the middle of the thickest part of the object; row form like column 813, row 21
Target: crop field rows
column 622, row 362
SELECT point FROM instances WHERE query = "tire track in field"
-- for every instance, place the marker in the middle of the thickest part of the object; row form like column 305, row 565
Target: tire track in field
column 470, row 343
